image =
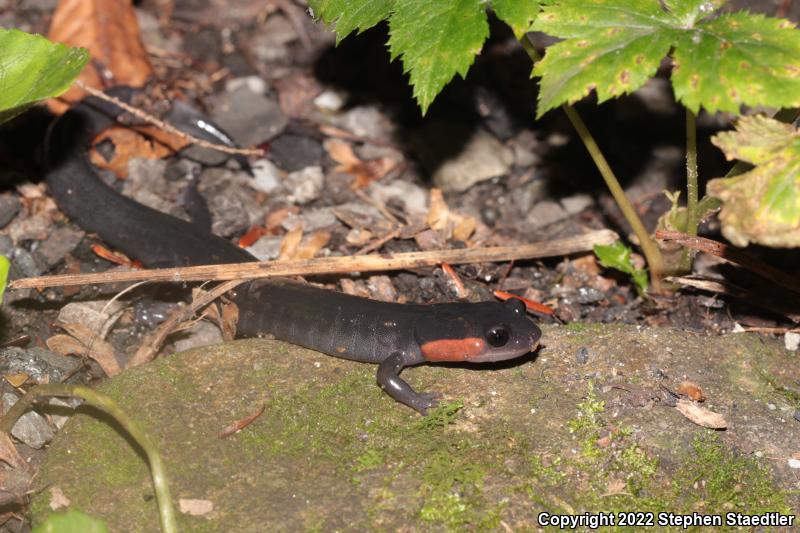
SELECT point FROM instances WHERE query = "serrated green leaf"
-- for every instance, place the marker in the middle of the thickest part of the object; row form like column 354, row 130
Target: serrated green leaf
column 71, row 521
column 32, row 69
column 762, row 205
column 614, row 46
column 518, row 14
column 618, row 257
column 436, row 41
column 347, row 16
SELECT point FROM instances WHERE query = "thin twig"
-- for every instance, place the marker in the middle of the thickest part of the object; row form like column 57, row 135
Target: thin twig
column 152, row 343
column 150, row 119
column 333, row 265
column 732, row 255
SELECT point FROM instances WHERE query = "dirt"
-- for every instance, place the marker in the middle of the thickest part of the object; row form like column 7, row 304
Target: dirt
column 544, row 434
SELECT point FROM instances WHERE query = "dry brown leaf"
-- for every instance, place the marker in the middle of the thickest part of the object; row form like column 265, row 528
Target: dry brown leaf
column 128, row 144
column 700, row 415
column 9, row 453
column 17, row 380
column 240, row 424
column 230, row 317
column 195, row 507
column 93, row 347
column 65, row 345
column 296, row 93
column 110, row 31
column 358, row 237
column 616, row 487
column 312, row 244
column 692, row 390
column 365, row 172
column 58, row 500
column 290, row 243
column 448, row 223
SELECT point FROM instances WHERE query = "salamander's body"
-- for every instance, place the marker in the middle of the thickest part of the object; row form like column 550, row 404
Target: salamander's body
column 391, row 335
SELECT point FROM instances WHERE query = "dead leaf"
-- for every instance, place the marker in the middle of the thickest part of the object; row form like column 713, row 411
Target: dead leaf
column 118, row 258
column 700, row 415
column 290, row 243
column 616, row 487
column 296, row 93
column 195, row 507
column 9, row 453
column 128, row 144
column 230, row 318
column 251, row 236
column 242, row 423
column 448, row 223
column 365, row 172
column 275, row 219
column 312, row 244
column 358, row 237
column 58, row 499
column 92, row 346
column 110, row 31
column 16, row 380
column 692, row 390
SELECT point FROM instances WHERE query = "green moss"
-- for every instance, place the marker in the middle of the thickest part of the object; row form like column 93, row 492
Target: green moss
column 712, row 478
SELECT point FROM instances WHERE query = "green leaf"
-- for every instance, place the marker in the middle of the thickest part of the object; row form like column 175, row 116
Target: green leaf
column 762, row 205
column 5, row 266
column 32, row 69
column 618, row 256
column 518, row 14
column 614, row 46
column 436, row 41
column 350, row 15
column 72, row 521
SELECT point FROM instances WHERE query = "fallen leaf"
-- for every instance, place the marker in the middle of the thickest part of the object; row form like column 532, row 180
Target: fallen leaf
column 692, row 390
column 296, row 93
column 117, row 258
column 58, row 500
column 110, row 31
column 616, row 487
column 275, row 219
column 700, row 415
column 251, row 236
column 531, row 305
column 16, row 380
column 242, row 423
column 9, row 453
column 92, row 346
column 312, row 244
column 365, row 172
column 448, row 223
column 195, row 507
column 358, row 237
column 290, row 243
column 230, row 317
column 128, row 144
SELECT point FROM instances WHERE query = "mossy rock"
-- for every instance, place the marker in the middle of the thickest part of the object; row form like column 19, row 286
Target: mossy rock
column 332, row 452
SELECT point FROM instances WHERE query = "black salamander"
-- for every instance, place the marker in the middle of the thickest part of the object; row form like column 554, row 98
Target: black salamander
column 391, row 335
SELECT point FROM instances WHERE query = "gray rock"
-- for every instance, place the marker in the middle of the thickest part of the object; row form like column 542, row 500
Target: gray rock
column 31, row 428
column 365, row 121
column 582, row 355
column 305, row 185
column 97, row 315
column 329, row 101
column 203, row 333
column 545, row 213
column 61, row 241
column 413, row 197
column 6, row 245
column 272, row 42
column 589, row 295
column 483, row 158
column 62, row 405
column 266, row 248
column 231, row 201
column 15, row 360
column 146, row 184
column 295, row 152
column 9, row 207
column 576, row 203
column 266, row 176
column 247, row 116
column 26, row 264
column 312, row 219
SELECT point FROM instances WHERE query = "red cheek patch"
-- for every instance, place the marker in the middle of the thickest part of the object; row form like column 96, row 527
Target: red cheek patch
column 453, row 349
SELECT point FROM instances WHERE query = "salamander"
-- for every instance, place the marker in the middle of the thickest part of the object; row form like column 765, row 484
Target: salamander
column 391, row 335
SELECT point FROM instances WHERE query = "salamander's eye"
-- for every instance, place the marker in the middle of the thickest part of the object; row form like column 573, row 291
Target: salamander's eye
column 497, row 336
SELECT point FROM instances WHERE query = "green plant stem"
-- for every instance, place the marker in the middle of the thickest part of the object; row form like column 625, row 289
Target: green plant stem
column 107, row 405
column 692, row 189
column 648, row 245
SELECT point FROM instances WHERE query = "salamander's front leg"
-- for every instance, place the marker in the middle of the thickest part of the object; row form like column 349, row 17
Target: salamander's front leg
column 389, row 379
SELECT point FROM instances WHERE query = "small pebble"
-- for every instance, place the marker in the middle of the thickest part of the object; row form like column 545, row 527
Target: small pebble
column 794, row 463
column 582, row 355
column 771, row 406
column 797, row 415
column 791, row 340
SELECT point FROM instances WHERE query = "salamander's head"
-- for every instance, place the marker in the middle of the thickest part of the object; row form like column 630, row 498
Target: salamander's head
column 478, row 332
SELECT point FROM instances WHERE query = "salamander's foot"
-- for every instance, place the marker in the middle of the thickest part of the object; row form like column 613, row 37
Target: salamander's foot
column 425, row 401
column 389, row 379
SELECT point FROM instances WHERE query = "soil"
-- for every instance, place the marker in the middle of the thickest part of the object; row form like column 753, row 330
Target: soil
column 587, row 424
